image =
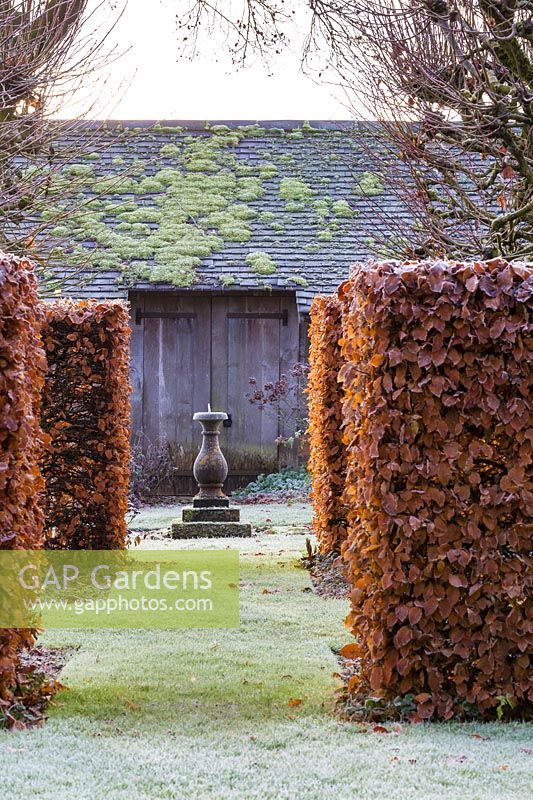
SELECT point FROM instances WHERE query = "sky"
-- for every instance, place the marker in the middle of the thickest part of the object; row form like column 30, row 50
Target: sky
column 151, row 81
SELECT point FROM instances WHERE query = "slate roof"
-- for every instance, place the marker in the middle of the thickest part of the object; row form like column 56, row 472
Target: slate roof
column 327, row 156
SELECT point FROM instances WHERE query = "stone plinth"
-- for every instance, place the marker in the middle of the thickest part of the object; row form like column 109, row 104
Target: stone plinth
column 195, row 514
column 210, row 521
column 197, row 530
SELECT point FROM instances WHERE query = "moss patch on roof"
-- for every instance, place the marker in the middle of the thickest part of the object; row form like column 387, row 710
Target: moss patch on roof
column 261, row 263
column 369, row 185
column 299, row 280
column 341, row 208
column 157, row 218
column 199, row 202
column 295, row 189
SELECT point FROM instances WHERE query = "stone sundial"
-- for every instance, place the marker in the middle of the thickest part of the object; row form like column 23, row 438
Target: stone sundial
column 210, row 513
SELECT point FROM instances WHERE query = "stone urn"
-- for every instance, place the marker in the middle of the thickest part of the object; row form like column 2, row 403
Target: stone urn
column 210, row 468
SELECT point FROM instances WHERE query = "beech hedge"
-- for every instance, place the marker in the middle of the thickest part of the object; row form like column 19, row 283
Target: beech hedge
column 327, row 454
column 86, row 414
column 22, row 367
column 437, row 383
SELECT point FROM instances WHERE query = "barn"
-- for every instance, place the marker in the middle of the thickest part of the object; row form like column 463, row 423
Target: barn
column 219, row 235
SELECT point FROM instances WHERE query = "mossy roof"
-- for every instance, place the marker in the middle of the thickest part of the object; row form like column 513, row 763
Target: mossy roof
column 206, row 206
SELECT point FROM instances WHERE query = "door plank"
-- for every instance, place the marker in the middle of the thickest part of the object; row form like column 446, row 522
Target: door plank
column 245, row 348
column 289, row 356
column 176, row 373
column 136, row 367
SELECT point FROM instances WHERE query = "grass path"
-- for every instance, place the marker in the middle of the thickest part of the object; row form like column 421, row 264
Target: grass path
column 205, row 714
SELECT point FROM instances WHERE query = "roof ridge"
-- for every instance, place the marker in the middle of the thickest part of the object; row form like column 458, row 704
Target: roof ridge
column 286, row 124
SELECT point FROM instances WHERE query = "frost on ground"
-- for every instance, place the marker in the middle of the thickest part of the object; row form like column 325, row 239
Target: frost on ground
column 243, row 714
column 265, row 517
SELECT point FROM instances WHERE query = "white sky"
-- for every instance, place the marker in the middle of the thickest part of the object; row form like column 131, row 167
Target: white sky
column 150, row 81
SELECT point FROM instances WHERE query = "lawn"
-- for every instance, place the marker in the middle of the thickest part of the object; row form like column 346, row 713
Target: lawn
column 261, row 516
column 207, row 714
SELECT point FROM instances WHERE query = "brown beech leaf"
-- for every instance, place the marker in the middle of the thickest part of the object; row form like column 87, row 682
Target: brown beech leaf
column 403, row 636
column 350, row 651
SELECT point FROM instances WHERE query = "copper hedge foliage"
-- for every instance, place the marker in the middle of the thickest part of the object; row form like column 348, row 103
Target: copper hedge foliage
column 327, row 456
column 438, row 408
column 22, row 366
column 86, row 413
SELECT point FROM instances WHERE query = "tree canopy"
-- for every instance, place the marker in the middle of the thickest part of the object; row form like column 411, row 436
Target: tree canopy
column 451, row 82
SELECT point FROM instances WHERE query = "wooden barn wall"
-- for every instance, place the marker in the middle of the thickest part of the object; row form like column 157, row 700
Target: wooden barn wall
column 192, row 349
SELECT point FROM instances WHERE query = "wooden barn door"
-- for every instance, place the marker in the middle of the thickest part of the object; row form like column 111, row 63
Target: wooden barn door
column 176, row 343
column 190, row 350
column 250, row 339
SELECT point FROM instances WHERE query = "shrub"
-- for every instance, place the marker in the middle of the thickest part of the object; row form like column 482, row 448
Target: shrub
column 327, row 456
column 152, row 466
column 437, row 383
column 22, row 368
column 285, row 398
column 289, row 484
column 87, row 416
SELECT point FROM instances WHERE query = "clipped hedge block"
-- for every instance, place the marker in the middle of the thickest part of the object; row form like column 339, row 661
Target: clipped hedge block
column 439, row 432
column 86, row 413
column 22, row 366
column 327, row 456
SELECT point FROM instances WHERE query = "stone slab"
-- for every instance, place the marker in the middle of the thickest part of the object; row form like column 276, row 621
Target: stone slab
column 191, row 514
column 196, row 530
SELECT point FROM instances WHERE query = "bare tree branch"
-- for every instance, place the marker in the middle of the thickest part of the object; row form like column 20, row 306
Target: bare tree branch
column 451, row 82
column 48, row 48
